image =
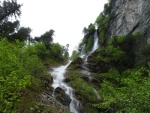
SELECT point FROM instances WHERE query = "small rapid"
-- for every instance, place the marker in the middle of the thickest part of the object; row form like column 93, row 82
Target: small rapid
column 58, row 81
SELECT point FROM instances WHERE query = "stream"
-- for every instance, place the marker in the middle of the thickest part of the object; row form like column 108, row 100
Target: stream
column 59, row 72
column 83, row 55
column 58, row 81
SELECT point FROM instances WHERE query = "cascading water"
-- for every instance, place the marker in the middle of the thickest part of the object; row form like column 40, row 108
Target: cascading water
column 86, row 70
column 58, row 77
column 96, row 45
column 83, row 52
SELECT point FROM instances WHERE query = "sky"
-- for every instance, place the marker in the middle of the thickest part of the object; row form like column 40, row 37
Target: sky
column 66, row 17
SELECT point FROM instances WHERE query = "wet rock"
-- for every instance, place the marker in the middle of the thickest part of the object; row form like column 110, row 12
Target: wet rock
column 86, row 78
column 100, row 67
column 62, row 97
column 66, row 80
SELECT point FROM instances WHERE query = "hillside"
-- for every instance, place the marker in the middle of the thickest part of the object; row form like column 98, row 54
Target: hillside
column 119, row 70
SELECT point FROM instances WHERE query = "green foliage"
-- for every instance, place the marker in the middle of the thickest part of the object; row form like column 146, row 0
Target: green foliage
column 129, row 92
column 20, row 69
column 137, row 35
column 49, row 52
column 124, row 90
column 8, row 9
column 75, row 54
column 13, row 75
column 107, row 57
column 56, row 49
column 121, row 39
column 91, row 28
column 102, row 22
column 66, row 56
column 39, row 50
column 114, row 53
column 90, row 43
column 99, row 19
column 106, row 9
column 88, row 39
column 22, row 34
column 122, row 53
column 84, row 90
column 46, row 38
column 110, row 53
column 8, row 27
column 48, row 56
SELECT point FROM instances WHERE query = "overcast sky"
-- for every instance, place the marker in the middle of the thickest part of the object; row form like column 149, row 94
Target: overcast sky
column 66, row 17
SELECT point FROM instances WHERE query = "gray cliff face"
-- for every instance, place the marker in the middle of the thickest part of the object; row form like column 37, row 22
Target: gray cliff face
column 129, row 16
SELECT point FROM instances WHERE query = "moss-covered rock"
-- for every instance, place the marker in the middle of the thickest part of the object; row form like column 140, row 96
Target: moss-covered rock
column 76, row 63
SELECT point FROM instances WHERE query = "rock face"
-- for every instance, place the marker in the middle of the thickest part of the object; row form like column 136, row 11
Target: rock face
column 129, row 16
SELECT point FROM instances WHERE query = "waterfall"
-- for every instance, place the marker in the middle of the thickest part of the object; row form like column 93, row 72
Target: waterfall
column 86, row 70
column 58, row 81
column 96, row 45
column 83, row 52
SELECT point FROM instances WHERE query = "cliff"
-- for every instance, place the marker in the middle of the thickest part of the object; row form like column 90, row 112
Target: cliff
column 129, row 16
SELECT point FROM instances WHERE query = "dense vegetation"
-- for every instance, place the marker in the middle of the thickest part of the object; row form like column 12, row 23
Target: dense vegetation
column 119, row 79
column 23, row 66
column 125, row 74
column 120, row 71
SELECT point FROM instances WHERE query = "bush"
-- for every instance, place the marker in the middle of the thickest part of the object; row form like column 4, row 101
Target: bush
column 90, row 43
column 13, row 75
column 124, row 95
column 75, row 54
column 20, row 67
column 102, row 23
column 84, row 90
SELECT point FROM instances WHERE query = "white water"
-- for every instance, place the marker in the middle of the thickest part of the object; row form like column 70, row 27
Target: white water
column 58, row 77
column 85, row 56
column 96, row 45
column 83, row 52
column 97, row 94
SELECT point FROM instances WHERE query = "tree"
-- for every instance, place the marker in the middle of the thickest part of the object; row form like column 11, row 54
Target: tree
column 22, row 34
column 85, row 31
column 9, row 9
column 8, row 27
column 75, row 54
column 46, row 38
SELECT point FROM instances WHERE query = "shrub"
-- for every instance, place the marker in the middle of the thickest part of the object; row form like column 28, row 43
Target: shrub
column 20, row 67
column 13, row 75
column 90, row 43
column 129, row 94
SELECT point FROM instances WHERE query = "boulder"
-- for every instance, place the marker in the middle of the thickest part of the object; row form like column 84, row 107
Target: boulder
column 76, row 63
column 77, row 60
column 62, row 97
